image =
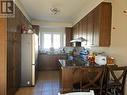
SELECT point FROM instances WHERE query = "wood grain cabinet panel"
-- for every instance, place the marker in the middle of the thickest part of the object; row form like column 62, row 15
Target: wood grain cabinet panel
column 90, row 29
column 85, row 29
column 66, row 79
column 50, row 62
column 105, row 11
column 74, row 31
column 69, row 36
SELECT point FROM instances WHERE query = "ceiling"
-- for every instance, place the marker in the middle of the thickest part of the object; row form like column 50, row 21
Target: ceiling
column 40, row 9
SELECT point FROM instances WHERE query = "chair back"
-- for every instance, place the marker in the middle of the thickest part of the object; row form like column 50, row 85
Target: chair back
column 94, row 77
column 117, row 75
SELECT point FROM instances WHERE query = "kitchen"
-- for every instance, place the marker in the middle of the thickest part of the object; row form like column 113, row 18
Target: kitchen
column 116, row 46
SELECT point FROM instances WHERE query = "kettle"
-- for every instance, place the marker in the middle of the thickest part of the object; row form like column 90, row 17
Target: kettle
column 101, row 60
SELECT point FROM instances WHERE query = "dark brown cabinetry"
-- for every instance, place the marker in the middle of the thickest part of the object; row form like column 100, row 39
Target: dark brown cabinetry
column 49, row 62
column 95, row 26
column 10, row 52
column 69, row 35
column 66, row 79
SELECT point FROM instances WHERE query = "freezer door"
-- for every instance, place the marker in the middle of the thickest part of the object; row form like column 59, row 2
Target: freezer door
column 33, row 75
column 26, row 56
column 34, row 48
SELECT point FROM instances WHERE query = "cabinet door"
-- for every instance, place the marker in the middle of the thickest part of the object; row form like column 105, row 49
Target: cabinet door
column 69, row 35
column 17, row 58
column 48, row 62
column 105, row 20
column 90, row 39
column 80, row 29
column 44, row 62
column 84, row 30
column 55, row 61
column 96, row 30
column 66, row 78
column 10, row 83
column 10, row 51
column 76, row 32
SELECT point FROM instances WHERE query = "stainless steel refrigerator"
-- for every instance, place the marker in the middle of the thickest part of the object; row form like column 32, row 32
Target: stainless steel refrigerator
column 29, row 54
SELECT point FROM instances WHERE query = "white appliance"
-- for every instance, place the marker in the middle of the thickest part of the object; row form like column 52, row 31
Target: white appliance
column 91, row 92
column 29, row 54
column 101, row 59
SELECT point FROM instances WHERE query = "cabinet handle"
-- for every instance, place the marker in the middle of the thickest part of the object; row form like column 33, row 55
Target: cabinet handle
column 103, row 59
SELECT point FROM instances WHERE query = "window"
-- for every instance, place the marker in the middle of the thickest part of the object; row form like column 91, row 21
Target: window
column 51, row 39
column 56, row 41
column 47, row 41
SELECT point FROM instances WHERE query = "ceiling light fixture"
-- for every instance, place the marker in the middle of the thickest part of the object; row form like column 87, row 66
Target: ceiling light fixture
column 54, row 10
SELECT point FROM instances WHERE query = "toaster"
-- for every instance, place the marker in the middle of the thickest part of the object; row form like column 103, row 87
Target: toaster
column 101, row 59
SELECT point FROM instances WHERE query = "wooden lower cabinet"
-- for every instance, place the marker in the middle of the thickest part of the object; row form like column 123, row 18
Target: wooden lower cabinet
column 10, row 84
column 66, row 79
column 49, row 62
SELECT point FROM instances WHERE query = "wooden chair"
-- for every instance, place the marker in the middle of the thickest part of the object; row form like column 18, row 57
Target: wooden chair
column 116, row 80
column 89, row 78
column 94, row 77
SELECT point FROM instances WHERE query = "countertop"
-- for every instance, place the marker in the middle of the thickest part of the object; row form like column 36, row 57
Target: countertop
column 75, row 63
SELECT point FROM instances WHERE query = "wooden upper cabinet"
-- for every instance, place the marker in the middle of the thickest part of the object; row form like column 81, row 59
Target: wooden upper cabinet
column 80, row 29
column 85, row 30
column 105, row 12
column 69, row 35
column 74, row 32
column 90, row 29
column 95, row 26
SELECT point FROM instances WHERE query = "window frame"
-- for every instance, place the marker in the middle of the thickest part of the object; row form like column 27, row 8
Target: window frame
column 62, row 39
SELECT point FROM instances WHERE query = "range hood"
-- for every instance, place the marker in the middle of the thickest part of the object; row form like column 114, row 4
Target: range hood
column 80, row 39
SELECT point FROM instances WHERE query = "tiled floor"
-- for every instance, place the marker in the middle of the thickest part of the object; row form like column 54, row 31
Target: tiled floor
column 47, row 84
